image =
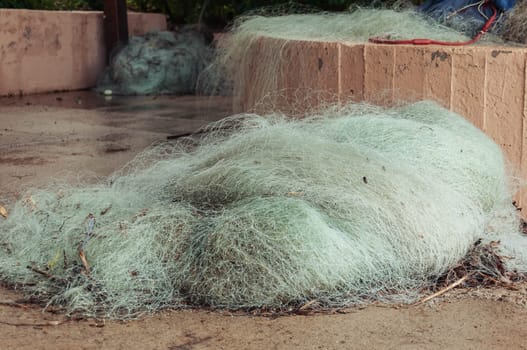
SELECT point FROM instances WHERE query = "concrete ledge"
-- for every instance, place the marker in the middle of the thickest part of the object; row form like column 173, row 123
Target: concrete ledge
column 485, row 84
column 43, row 51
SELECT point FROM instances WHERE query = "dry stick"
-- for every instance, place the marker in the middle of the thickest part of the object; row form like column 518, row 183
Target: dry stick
column 65, row 259
column 191, row 133
column 3, row 212
column 14, row 304
column 198, row 132
column 49, row 323
column 82, row 256
column 44, row 273
column 185, row 134
column 308, row 304
column 444, row 290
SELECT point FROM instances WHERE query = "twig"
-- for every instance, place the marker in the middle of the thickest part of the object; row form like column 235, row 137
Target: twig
column 84, row 262
column 98, row 323
column 201, row 130
column 49, row 323
column 65, row 259
column 185, row 134
column 443, row 291
column 308, row 304
column 15, row 304
column 3, row 212
column 44, row 273
column 20, row 177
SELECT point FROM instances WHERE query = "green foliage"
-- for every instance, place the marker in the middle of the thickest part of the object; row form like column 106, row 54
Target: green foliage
column 53, row 4
column 216, row 13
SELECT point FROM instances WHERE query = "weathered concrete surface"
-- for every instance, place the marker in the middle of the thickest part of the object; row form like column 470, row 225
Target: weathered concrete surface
column 43, row 51
column 49, row 136
column 485, row 84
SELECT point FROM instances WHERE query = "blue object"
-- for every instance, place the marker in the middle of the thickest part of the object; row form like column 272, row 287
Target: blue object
column 504, row 5
column 443, row 8
column 468, row 19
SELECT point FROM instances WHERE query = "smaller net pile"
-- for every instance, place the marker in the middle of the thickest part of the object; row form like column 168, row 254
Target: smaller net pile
column 355, row 26
column 349, row 205
column 247, row 62
column 157, row 63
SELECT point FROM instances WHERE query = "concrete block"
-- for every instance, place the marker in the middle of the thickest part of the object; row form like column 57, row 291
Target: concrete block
column 313, row 78
column 468, row 83
column 87, row 58
column 258, row 93
column 523, row 161
column 351, row 72
column 379, row 73
column 438, row 75
column 505, row 106
column 504, row 100
column 409, row 74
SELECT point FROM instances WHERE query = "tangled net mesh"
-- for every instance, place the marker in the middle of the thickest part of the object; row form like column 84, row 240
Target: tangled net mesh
column 356, row 26
column 260, row 38
column 157, row 63
column 349, row 205
column 292, row 23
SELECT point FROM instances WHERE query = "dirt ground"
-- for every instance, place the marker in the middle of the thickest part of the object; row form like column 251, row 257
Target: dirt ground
column 72, row 134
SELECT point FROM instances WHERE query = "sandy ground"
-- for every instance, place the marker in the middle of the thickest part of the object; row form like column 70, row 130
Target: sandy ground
column 74, row 134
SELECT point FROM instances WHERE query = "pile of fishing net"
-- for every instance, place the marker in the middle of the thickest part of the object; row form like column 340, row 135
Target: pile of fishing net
column 157, row 63
column 249, row 58
column 243, row 46
column 356, row 26
column 349, row 205
column 435, row 22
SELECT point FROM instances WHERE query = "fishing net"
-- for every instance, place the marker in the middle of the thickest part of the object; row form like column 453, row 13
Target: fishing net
column 515, row 25
column 254, row 49
column 348, row 205
column 157, row 63
column 356, row 26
